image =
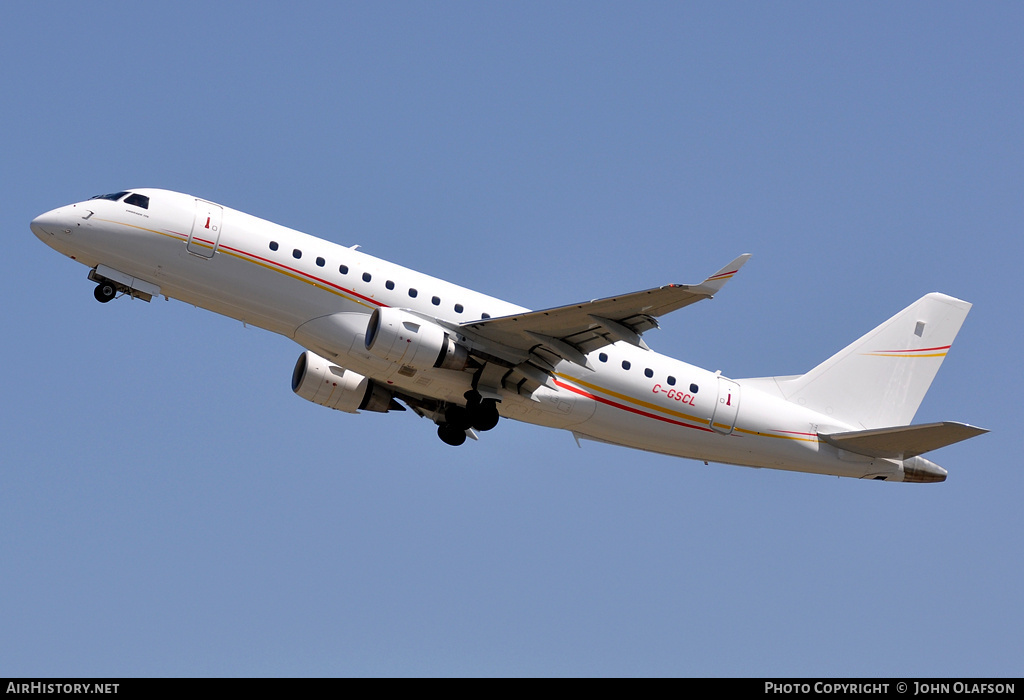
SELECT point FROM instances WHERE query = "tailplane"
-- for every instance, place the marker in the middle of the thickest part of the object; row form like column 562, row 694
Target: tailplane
column 880, row 379
column 902, row 442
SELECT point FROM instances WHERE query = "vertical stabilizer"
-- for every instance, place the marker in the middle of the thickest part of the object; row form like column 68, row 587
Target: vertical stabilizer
column 880, row 380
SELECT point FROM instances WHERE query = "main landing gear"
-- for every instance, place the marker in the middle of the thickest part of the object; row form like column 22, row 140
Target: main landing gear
column 451, row 435
column 478, row 414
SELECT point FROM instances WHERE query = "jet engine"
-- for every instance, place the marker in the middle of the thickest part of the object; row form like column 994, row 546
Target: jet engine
column 317, row 380
column 403, row 338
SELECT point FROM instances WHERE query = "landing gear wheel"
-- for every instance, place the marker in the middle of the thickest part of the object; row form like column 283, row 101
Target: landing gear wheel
column 104, row 292
column 486, row 415
column 451, row 435
column 458, row 417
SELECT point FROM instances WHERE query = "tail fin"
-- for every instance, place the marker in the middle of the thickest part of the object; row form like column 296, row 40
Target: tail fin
column 881, row 379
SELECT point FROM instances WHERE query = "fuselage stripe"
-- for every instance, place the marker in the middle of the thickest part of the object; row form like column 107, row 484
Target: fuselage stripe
column 791, row 435
column 268, row 264
column 902, row 357
column 627, row 397
column 271, row 263
column 609, row 402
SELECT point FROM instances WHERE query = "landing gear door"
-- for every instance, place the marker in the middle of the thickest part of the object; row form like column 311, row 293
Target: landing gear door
column 728, row 405
column 205, row 236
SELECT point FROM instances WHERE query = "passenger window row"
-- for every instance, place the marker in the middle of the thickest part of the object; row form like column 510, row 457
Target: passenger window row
column 649, row 373
column 389, row 284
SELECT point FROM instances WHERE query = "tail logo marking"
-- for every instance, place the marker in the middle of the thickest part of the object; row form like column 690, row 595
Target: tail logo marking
column 921, row 352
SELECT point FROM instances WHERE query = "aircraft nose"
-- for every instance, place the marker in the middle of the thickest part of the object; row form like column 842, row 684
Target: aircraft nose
column 48, row 224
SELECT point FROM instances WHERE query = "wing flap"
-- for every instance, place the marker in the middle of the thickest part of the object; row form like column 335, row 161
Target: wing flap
column 904, row 441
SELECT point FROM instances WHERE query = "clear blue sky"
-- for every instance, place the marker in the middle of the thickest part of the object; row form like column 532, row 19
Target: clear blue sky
column 169, row 507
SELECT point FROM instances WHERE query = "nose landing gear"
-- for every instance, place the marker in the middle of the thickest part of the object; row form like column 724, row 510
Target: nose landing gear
column 111, row 282
column 105, row 291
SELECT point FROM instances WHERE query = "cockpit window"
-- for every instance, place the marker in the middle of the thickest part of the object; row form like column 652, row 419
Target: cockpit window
column 112, row 197
column 138, row 200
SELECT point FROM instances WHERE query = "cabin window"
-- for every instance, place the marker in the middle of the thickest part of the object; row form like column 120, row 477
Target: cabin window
column 413, row 293
column 648, row 372
column 296, row 253
column 694, row 388
column 389, row 284
column 603, row 357
column 366, row 277
column 343, row 269
column 436, row 301
column 138, row 200
column 320, row 262
column 625, row 364
column 485, row 315
column 458, row 308
column 671, row 380
column 273, row 245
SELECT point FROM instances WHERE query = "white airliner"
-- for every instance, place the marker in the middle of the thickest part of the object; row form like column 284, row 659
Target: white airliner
column 376, row 334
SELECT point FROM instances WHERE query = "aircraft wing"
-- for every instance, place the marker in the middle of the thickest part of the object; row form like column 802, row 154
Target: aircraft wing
column 570, row 332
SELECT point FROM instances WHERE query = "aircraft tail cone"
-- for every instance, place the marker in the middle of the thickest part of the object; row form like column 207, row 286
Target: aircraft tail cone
column 919, row 470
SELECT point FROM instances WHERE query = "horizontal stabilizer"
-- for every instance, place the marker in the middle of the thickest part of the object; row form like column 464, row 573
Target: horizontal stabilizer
column 904, row 441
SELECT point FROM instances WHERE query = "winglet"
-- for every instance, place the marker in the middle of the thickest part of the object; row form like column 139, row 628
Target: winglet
column 715, row 282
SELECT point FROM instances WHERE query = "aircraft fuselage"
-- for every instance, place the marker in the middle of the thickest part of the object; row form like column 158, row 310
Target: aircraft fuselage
column 321, row 294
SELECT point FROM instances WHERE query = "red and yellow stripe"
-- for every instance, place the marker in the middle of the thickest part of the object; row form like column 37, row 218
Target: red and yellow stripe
column 914, row 353
column 268, row 264
column 650, row 410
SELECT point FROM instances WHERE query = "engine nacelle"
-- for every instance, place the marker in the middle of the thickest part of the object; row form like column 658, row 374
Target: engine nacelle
column 317, row 380
column 401, row 337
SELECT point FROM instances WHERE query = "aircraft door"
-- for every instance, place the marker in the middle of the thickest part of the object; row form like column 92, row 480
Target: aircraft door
column 206, row 227
column 728, row 405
